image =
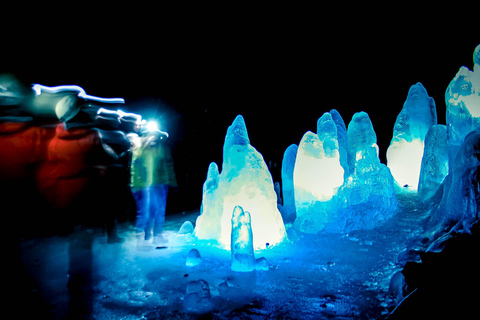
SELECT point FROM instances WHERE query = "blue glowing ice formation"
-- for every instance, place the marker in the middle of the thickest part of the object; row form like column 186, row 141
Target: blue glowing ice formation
column 476, row 56
column 459, row 203
column 245, row 181
column 288, row 165
column 193, row 258
column 462, row 98
column 434, row 162
column 342, row 140
column 368, row 196
column 317, row 175
column 243, row 258
column 325, row 201
column 461, row 198
column 404, row 155
column 208, row 223
column 362, row 144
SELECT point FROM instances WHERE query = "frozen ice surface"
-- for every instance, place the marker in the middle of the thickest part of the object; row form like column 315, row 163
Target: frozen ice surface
column 243, row 259
column 316, row 277
column 462, row 98
column 434, row 167
column 404, row 155
column 288, row 165
column 193, row 258
column 245, row 181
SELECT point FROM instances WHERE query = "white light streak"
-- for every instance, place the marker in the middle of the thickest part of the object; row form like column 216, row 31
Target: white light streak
column 38, row 88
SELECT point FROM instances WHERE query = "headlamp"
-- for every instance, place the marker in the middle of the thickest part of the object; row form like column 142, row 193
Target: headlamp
column 152, row 127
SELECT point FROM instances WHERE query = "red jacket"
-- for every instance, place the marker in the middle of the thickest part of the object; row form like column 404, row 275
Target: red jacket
column 70, row 165
column 22, row 145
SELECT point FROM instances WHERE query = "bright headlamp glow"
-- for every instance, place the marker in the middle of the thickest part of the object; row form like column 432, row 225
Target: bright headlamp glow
column 152, row 126
column 38, row 88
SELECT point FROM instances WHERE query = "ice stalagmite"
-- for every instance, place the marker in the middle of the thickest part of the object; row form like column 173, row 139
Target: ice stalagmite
column 362, row 144
column 342, row 140
column 462, row 98
column 434, row 162
column 245, row 181
column 243, row 258
column 404, row 155
column 461, row 192
column 317, row 175
column 368, row 196
column 288, row 165
column 208, row 223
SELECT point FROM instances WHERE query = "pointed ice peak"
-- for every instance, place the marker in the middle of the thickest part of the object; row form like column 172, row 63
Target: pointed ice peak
column 338, row 119
column 418, row 114
column 212, row 172
column 240, row 217
column 324, row 119
column 212, row 177
column 237, row 133
column 417, row 92
column 326, row 125
column 362, row 140
column 327, row 133
column 360, row 132
column 476, row 56
column 312, row 145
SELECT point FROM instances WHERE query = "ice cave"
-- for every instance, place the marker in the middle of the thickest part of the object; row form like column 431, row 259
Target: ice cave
column 340, row 236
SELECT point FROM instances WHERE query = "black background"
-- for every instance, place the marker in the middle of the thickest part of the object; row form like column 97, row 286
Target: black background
column 195, row 69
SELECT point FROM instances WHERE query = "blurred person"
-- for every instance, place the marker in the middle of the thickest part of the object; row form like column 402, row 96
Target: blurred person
column 152, row 174
column 113, row 183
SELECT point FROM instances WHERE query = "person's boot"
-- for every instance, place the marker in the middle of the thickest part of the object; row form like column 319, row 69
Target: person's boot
column 112, row 236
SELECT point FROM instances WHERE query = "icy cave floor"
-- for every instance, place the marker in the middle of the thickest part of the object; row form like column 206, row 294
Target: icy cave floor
column 313, row 277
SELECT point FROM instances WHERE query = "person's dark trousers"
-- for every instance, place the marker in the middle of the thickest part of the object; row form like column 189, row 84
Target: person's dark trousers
column 151, row 204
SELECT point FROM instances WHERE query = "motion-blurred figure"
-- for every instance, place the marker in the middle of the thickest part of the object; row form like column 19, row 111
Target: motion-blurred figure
column 152, row 174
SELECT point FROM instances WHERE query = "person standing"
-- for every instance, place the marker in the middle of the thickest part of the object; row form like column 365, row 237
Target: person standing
column 152, row 174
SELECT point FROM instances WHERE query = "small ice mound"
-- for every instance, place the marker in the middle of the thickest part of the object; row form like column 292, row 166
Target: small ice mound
column 186, row 228
column 261, row 264
column 193, row 258
column 197, row 297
